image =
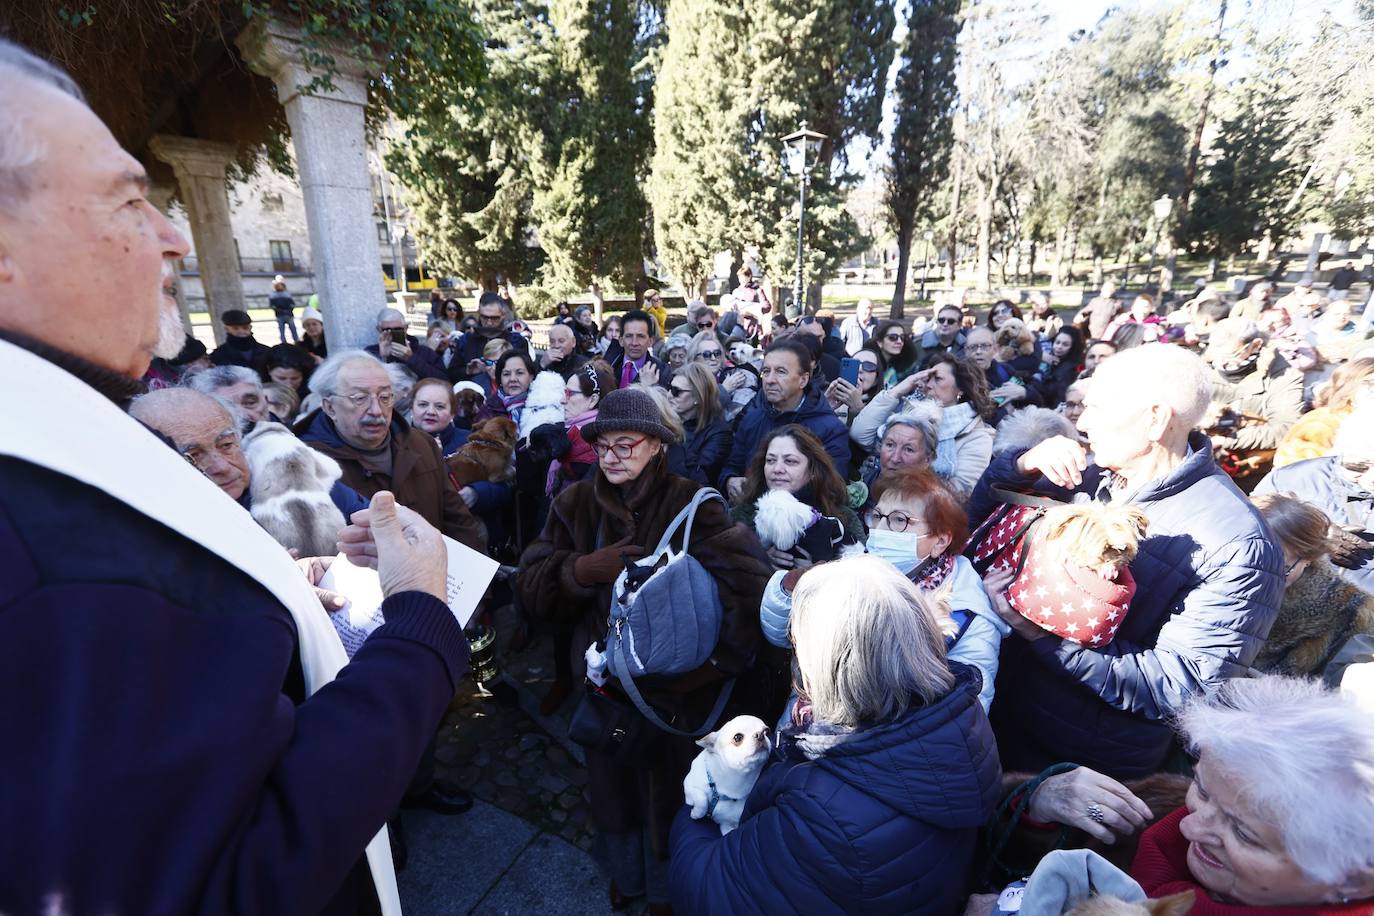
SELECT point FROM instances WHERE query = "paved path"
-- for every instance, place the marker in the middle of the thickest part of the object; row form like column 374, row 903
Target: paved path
column 524, row 847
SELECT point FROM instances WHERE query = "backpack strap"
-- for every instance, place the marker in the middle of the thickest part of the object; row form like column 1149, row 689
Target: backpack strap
column 686, row 517
column 627, row 683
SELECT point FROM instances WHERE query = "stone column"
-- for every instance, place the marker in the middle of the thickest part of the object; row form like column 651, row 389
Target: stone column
column 160, row 196
column 331, row 160
column 200, row 167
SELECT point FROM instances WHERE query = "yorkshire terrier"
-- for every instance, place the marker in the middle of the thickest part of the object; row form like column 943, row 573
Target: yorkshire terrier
column 1100, row 537
column 489, row 453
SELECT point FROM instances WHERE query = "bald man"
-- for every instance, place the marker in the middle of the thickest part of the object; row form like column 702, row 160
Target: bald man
column 204, row 430
column 562, row 356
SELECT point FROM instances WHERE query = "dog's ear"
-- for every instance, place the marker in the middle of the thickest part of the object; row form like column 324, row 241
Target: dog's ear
column 708, row 742
column 1173, row 905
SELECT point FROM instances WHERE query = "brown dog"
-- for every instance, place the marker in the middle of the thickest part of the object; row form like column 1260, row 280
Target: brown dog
column 489, row 453
column 1173, row 905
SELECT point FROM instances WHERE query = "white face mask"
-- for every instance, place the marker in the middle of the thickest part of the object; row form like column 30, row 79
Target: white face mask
column 902, row 549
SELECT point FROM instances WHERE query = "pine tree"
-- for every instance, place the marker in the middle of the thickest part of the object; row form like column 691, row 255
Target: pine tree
column 1246, row 185
column 927, row 92
column 824, row 62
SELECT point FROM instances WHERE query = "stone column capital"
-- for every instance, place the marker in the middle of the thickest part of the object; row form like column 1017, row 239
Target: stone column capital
column 196, row 158
column 274, row 49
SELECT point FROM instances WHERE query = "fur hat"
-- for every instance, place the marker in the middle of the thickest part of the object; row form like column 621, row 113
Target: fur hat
column 311, row 312
column 628, row 410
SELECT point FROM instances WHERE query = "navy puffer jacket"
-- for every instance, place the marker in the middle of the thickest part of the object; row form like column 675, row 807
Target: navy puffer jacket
column 1323, row 483
column 1209, row 578
column 814, row 412
column 883, row 822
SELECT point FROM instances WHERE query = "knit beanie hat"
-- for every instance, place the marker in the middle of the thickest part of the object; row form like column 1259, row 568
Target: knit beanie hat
column 628, row 410
column 311, row 312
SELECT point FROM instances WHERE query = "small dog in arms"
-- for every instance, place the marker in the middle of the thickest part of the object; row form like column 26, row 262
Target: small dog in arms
column 290, row 483
column 726, row 769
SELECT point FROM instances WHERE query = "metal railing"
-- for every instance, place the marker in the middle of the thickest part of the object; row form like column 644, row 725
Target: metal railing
column 268, row 266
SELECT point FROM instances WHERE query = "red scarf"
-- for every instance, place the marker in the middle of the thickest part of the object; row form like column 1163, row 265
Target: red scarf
column 1161, row 867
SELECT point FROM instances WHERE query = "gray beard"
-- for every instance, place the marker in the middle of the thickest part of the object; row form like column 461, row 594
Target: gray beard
column 171, row 336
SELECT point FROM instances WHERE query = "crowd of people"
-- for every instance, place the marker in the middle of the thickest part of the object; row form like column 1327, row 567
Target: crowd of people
column 884, row 539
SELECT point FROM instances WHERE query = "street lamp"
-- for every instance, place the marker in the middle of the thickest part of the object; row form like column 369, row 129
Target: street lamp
column 925, row 261
column 802, row 148
column 1162, row 208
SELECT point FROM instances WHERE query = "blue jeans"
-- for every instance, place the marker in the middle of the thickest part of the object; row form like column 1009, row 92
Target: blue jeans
column 284, row 322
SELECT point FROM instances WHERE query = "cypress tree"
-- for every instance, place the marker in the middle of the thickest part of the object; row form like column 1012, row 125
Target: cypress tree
column 927, row 92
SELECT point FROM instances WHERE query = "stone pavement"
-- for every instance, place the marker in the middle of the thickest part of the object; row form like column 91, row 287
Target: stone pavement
column 524, row 847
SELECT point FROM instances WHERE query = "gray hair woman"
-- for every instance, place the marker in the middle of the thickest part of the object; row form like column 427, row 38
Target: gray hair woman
column 907, row 438
column 737, row 383
column 1279, row 818
column 875, row 792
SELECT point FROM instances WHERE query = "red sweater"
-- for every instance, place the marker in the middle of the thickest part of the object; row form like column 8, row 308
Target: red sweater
column 1161, row 867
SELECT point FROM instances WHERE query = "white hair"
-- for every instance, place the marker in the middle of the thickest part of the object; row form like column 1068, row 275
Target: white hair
column 867, row 644
column 1304, row 758
column 20, row 147
column 1355, row 437
column 922, row 416
column 209, row 381
column 324, row 381
column 155, row 408
column 1164, row 374
column 387, row 314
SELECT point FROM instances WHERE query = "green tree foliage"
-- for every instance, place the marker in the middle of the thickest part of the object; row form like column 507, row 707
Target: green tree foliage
column 927, row 93
column 824, row 62
column 735, row 79
column 592, row 147
column 1250, row 177
column 701, row 122
column 464, row 157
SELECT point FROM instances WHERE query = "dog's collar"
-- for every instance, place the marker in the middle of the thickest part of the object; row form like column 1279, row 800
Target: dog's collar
column 716, row 796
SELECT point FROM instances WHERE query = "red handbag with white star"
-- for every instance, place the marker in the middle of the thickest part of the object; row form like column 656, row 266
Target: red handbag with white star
column 1049, row 589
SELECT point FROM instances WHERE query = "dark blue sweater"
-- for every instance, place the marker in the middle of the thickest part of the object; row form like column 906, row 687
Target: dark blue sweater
column 159, row 753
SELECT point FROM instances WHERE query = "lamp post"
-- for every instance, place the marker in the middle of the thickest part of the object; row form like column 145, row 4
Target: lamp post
column 1162, row 208
column 925, row 261
column 800, row 146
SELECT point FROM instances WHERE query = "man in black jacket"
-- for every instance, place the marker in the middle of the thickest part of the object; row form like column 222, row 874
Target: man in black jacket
column 174, row 738
column 240, row 347
column 494, row 320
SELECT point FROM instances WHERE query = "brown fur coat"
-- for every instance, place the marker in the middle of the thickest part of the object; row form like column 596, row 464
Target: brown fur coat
column 648, row 796
column 1319, row 614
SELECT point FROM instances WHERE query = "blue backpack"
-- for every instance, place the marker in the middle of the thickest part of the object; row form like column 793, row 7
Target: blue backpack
column 665, row 617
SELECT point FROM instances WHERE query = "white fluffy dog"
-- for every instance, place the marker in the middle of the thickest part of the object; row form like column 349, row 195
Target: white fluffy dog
column 544, row 404
column 289, row 483
column 725, row 771
column 1028, row 427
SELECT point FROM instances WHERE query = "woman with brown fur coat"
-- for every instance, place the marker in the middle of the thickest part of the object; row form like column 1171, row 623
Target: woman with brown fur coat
column 566, row 575
column 1321, row 611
